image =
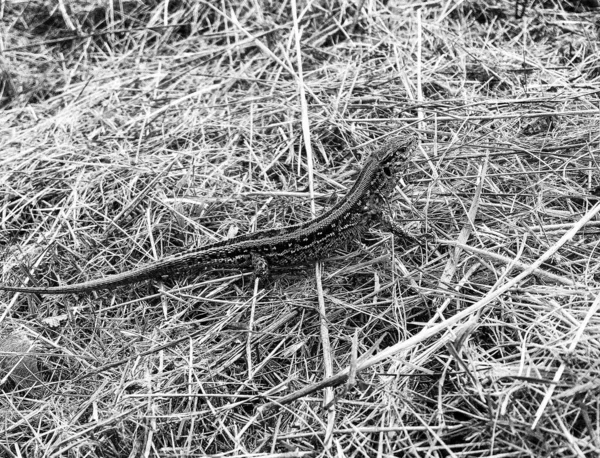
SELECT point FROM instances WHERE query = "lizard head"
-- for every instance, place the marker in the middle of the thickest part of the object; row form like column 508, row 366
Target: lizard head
column 395, row 154
column 388, row 164
column 381, row 172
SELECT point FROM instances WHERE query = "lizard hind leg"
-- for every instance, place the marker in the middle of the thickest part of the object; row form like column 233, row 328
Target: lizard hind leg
column 260, row 266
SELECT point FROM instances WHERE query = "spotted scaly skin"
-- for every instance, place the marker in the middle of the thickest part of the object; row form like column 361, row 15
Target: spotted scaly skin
column 291, row 245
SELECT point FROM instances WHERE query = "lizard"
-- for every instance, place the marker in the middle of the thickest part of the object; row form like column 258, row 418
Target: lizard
column 296, row 244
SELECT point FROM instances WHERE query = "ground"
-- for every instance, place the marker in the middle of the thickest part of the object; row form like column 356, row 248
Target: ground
column 133, row 130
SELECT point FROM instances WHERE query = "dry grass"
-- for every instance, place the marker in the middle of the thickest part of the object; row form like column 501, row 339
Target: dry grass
column 131, row 130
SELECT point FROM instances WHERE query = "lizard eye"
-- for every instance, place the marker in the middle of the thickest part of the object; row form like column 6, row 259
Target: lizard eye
column 387, row 170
